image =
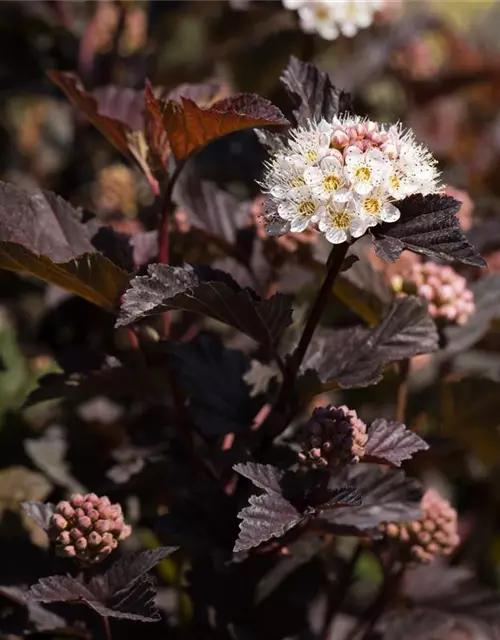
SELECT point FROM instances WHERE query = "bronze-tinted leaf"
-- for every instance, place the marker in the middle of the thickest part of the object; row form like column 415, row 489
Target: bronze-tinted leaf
column 190, row 127
column 314, row 95
column 392, row 442
column 209, row 292
column 91, row 276
column 428, row 225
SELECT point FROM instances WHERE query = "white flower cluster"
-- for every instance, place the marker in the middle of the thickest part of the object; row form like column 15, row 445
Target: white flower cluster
column 343, row 177
column 330, row 18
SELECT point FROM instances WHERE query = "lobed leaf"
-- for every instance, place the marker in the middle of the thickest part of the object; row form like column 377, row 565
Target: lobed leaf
column 428, row 225
column 388, row 496
column 392, row 442
column 264, row 476
column 190, row 128
column 209, row 292
column 268, row 516
column 90, row 276
column 314, row 95
column 355, row 357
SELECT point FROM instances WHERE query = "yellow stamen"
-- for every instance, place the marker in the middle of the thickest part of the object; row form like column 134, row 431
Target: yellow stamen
column 341, row 219
column 312, row 155
column 307, row 208
column 394, row 182
column 372, row 206
column 363, row 174
column 330, row 183
column 298, row 182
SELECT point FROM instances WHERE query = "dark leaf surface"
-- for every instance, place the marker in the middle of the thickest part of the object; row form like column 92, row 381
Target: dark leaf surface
column 264, row 476
column 40, row 619
column 388, row 496
column 267, row 516
column 124, row 591
column 213, row 378
column 355, row 357
column 428, row 225
column 42, row 222
column 392, row 442
column 208, row 292
column 90, row 276
column 40, row 512
column 190, row 128
column 313, row 93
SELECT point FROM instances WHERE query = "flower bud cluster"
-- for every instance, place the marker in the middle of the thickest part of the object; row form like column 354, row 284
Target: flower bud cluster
column 449, row 300
column 345, row 176
column 433, row 534
column 87, row 527
column 334, row 436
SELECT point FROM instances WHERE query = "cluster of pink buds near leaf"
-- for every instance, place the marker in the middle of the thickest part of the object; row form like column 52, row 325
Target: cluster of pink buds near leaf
column 446, row 292
column 87, row 527
column 334, row 436
column 433, row 534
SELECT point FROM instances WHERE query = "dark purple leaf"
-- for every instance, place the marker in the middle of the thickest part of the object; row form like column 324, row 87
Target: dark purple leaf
column 416, row 624
column 355, row 357
column 61, row 589
column 268, row 516
column 428, row 225
column 388, row 496
column 40, row 512
column 40, row 619
column 209, row 292
column 121, row 103
column 314, row 95
column 213, row 378
column 133, row 566
column 209, row 207
column 392, row 442
column 264, row 476
column 341, row 497
column 43, row 222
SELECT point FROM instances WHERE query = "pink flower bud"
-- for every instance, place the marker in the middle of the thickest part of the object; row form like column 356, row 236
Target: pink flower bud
column 81, row 544
column 75, row 533
column 58, row 522
column 94, row 539
column 77, row 500
column 64, row 538
column 87, row 506
column 93, row 499
column 93, row 514
column 125, row 532
column 104, row 501
column 65, row 509
column 84, row 523
column 67, row 552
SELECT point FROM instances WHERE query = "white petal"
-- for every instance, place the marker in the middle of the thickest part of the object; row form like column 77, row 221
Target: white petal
column 341, row 195
column 313, row 175
column 353, row 156
column 299, row 194
column 287, row 210
column 390, row 213
column 299, row 224
column 331, row 165
column 279, row 192
column 319, row 193
column 363, row 188
column 328, row 31
column 358, row 227
column 336, row 236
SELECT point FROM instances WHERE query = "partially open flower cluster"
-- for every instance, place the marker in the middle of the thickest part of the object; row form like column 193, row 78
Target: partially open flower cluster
column 331, row 18
column 433, row 534
column 87, row 527
column 334, row 436
column 344, row 176
column 446, row 292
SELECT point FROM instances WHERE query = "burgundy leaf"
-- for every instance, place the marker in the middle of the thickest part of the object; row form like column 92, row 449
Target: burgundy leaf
column 268, row 516
column 43, row 222
column 392, row 442
column 40, row 619
column 208, row 292
column 61, row 589
column 428, row 225
column 355, row 357
column 314, row 95
column 388, row 496
column 121, row 103
column 131, row 567
column 264, row 476
column 341, row 497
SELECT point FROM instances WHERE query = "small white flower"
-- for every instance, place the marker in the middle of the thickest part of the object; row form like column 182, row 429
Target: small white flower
column 294, row 4
column 375, row 207
column 286, row 176
column 365, row 169
column 328, row 180
column 353, row 15
column 300, row 211
column 318, row 16
column 311, row 144
column 339, row 222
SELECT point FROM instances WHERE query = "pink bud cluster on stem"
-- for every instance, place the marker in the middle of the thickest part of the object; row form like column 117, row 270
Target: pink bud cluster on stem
column 448, row 298
column 333, row 436
column 87, row 527
column 433, row 534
